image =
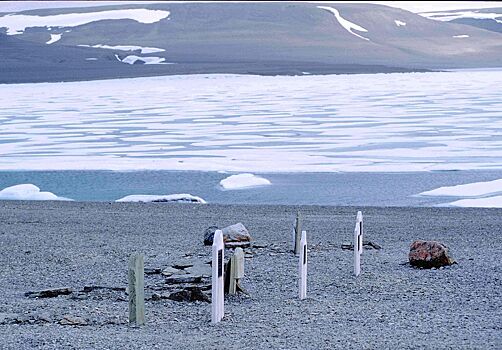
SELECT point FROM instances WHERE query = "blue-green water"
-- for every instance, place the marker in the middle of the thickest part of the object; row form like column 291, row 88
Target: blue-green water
column 359, row 189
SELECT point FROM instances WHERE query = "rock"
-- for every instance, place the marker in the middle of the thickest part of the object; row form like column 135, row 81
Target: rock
column 429, row 254
column 69, row 320
column 189, row 296
column 232, row 233
column 169, row 271
column 182, row 265
column 49, row 293
column 152, row 270
column 183, row 279
column 203, row 270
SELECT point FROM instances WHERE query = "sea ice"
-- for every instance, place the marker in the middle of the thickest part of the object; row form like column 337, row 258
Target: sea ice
column 28, row 192
column 461, row 36
column 489, row 202
column 241, row 181
column 179, row 197
column 131, row 59
column 475, row 189
column 399, row 23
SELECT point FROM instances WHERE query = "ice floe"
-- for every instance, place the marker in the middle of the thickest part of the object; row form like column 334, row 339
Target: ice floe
column 399, row 23
column 178, row 197
column 461, row 36
column 28, row 192
column 349, row 26
column 489, row 202
column 143, row 50
column 241, row 181
column 54, row 38
column 475, row 189
column 17, row 23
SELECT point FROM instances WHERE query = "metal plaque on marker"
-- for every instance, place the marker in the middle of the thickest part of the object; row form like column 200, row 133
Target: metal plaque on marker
column 304, row 254
column 220, row 262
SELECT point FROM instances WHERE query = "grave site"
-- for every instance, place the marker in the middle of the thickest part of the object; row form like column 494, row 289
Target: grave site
column 156, row 275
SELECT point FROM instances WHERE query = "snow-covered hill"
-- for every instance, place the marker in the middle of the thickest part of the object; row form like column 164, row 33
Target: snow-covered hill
column 249, row 38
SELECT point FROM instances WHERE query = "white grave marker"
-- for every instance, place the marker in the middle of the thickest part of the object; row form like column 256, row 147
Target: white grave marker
column 302, row 267
column 358, row 243
column 217, row 300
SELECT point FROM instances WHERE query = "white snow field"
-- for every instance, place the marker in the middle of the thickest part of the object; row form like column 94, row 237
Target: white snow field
column 143, row 50
column 400, row 23
column 28, row 192
column 17, row 24
column 257, row 124
column 348, row 25
column 242, row 181
column 178, row 197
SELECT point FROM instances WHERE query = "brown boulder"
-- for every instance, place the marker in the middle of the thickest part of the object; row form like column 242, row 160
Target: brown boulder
column 429, row 254
column 234, row 236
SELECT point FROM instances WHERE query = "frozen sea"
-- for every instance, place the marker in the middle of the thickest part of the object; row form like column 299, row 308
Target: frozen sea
column 369, row 139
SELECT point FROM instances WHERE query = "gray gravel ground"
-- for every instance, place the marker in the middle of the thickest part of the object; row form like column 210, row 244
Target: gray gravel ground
column 391, row 305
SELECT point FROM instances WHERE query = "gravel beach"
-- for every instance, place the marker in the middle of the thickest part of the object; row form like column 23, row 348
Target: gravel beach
column 390, row 305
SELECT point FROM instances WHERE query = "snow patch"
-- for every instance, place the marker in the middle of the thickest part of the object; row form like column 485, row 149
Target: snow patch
column 461, row 36
column 399, row 23
column 475, row 189
column 178, row 197
column 450, row 16
column 490, row 202
column 144, row 50
column 240, row 181
column 28, row 192
column 17, row 24
column 91, row 59
column 132, row 59
column 349, row 26
column 54, row 38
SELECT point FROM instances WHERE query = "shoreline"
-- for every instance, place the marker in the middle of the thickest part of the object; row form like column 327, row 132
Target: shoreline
column 390, row 305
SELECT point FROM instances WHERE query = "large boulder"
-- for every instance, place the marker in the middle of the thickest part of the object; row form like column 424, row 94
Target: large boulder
column 429, row 254
column 233, row 235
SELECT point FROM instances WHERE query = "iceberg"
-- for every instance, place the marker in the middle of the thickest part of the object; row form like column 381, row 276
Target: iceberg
column 240, row 181
column 28, row 192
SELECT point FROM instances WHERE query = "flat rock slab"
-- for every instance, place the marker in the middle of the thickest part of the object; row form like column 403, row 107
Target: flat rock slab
column 183, row 279
column 49, row 293
column 69, row 320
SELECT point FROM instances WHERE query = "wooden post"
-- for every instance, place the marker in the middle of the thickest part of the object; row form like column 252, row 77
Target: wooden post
column 217, row 283
column 236, row 270
column 297, row 233
column 302, row 267
column 136, row 290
